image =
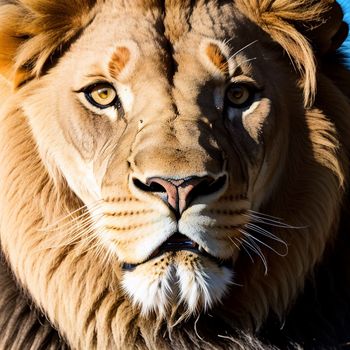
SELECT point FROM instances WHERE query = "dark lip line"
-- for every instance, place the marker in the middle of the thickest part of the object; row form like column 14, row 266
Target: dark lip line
column 188, row 245
column 131, row 267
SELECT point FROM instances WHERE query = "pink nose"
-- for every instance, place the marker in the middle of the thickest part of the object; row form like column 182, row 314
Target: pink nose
column 181, row 192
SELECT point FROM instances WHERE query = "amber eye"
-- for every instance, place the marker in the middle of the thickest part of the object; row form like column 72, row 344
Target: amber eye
column 239, row 95
column 102, row 95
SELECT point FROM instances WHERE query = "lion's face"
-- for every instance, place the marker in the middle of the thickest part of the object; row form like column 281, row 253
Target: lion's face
column 170, row 151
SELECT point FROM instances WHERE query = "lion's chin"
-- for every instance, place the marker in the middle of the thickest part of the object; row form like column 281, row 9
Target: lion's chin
column 177, row 278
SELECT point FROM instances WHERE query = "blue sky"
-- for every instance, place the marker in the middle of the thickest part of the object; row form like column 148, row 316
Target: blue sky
column 346, row 6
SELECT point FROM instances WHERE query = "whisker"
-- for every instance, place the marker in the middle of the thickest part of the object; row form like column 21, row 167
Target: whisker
column 80, row 231
column 264, row 244
column 264, row 232
column 91, row 243
column 247, row 251
column 69, row 238
column 75, row 225
column 89, row 239
column 233, row 242
column 255, row 248
column 240, row 242
column 265, row 215
column 243, row 48
column 245, row 61
column 105, row 255
column 271, row 220
column 55, row 226
column 227, row 41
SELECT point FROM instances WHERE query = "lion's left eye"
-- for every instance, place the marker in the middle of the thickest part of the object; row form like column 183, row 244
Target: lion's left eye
column 102, row 95
column 239, row 95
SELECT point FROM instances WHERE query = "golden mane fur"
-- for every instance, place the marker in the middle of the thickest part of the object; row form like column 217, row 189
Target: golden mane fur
column 61, row 287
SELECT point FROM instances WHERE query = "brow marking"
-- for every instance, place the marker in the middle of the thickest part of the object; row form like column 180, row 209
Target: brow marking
column 216, row 56
column 119, row 60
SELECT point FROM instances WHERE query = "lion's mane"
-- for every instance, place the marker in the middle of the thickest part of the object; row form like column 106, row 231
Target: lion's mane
column 303, row 301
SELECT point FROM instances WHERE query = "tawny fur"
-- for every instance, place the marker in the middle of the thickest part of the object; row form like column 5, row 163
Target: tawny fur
column 66, row 227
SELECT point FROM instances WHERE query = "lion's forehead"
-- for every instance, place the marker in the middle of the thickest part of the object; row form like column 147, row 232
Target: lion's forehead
column 161, row 38
column 172, row 18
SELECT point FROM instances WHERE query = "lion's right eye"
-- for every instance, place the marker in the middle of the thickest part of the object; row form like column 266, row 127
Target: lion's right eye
column 239, row 95
column 102, row 95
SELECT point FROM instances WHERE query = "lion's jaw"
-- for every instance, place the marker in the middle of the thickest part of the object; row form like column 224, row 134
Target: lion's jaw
column 179, row 281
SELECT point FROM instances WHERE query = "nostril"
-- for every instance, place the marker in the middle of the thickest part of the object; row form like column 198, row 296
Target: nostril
column 207, row 187
column 210, row 187
column 152, row 186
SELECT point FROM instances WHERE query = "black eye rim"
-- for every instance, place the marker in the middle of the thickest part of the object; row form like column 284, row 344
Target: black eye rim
column 87, row 90
column 252, row 89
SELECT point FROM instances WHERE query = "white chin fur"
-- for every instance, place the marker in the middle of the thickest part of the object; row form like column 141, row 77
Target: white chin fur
column 168, row 281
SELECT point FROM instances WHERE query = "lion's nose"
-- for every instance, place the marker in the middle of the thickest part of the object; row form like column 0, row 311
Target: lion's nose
column 180, row 193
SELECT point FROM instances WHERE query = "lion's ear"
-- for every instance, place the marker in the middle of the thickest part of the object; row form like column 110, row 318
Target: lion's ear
column 329, row 33
column 34, row 32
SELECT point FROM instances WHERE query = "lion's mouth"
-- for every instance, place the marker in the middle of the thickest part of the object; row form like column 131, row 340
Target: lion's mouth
column 176, row 243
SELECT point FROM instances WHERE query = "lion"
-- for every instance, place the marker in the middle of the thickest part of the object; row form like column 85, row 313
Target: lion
column 174, row 175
